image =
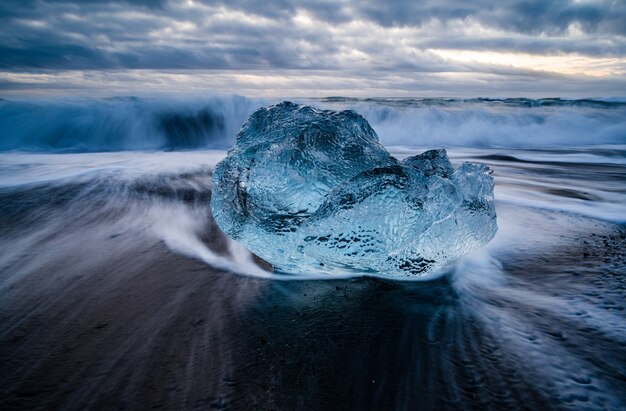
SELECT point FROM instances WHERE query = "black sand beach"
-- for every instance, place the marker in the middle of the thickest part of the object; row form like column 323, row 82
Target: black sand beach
column 98, row 312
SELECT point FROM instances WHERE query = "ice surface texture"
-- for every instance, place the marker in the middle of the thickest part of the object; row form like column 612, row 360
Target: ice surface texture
column 313, row 191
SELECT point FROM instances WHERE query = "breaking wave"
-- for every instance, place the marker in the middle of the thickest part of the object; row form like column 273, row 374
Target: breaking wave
column 132, row 123
column 518, row 123
column 125, row 123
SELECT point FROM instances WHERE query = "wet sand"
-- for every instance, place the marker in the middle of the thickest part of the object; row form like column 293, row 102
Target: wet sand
column 100, row 310
column 135, row 326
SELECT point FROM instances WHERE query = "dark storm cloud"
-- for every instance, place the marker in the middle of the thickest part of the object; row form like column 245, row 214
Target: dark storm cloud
column 314, row 46
column 527, row 16
column 130, row 34
column 324, row 10
column 241, row 34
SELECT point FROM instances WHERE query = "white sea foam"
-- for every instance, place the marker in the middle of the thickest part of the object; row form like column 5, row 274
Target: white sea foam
column 178, row 123
column 488, row 126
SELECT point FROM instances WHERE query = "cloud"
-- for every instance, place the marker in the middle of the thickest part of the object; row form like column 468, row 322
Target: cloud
column 522, row 16
column 316, row 83
column 368, row 39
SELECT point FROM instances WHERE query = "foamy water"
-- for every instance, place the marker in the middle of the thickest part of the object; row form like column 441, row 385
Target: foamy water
column 527, row 180
column 131, row 123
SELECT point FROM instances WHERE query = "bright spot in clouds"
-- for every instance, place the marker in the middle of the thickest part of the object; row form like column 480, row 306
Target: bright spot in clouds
column 569, row 64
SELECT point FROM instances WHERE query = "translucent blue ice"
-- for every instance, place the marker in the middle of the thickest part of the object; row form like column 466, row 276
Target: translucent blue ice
column 313, row 191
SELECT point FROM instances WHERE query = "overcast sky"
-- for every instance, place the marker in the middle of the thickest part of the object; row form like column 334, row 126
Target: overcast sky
column 314, row 48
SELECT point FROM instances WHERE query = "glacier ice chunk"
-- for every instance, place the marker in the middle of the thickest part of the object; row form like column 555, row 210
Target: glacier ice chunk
column 313, row 190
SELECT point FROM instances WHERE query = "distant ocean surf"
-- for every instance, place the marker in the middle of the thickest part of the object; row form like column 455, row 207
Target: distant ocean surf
column 131, row 123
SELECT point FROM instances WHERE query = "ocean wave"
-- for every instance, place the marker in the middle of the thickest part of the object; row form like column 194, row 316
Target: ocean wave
column 132, row 123
column 497, row 123
column 117, row 124
column 520, row 102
